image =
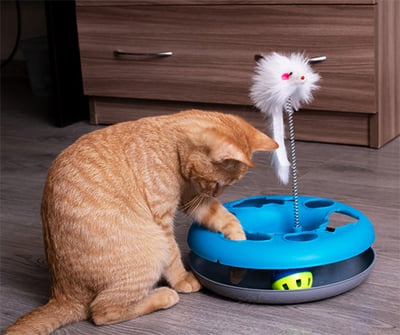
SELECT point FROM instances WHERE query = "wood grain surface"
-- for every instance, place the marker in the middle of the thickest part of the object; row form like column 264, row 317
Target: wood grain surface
column 213, row 49
column 367, row 179
column 221, row 2
column 214, row 46
column 385, row 124
column 325, row 126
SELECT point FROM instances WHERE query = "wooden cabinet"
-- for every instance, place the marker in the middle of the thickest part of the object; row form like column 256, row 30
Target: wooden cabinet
column 207, row 60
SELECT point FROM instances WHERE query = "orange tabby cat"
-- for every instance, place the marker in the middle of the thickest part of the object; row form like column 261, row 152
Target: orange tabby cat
column 108, row 209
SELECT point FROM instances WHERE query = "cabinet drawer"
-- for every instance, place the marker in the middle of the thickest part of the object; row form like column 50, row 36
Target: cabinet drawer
column 214, row 46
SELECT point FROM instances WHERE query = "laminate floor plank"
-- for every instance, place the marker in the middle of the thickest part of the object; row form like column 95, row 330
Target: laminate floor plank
column 367, row 179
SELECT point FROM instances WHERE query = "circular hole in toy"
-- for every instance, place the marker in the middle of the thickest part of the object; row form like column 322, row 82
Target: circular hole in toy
column 304, row 237
column 319, row 203
column 258, row 202
column 257, row 236
column 339, row 219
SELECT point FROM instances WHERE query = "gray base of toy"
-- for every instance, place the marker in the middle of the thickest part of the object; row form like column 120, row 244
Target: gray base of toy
column 328, row 280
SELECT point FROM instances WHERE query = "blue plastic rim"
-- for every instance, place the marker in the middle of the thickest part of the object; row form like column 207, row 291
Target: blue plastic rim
column 272, row 241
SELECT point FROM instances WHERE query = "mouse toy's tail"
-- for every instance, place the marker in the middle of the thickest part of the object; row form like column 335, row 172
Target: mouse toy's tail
column 280, row 162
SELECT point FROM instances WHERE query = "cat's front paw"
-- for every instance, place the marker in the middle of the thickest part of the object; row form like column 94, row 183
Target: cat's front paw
column 236, row 234
column 188, row 284
column 232, row 229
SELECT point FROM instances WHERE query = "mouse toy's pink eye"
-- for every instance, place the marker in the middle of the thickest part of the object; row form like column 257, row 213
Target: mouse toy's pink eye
column 286, row 75
column 302, row 77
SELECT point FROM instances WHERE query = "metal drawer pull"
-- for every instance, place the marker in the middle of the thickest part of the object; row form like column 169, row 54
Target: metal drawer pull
column 118, row 53
column 317, row 59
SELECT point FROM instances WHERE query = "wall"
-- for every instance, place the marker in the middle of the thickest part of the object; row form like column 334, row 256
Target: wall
column 33, row 24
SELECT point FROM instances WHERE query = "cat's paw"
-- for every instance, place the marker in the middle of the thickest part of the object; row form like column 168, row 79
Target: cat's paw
column 232, row 229
column 236, row 234
column 188, row 284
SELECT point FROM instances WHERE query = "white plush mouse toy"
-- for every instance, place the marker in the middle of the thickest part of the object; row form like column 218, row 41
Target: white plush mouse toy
column 280, row 80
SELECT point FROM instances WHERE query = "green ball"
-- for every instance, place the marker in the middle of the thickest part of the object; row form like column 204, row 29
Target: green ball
column 294, row 281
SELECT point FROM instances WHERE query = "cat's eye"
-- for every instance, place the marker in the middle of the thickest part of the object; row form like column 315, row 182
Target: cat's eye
column 217, row 189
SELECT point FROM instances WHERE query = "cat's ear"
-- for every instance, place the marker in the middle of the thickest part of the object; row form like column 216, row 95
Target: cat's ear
column 221, row 147
column 225, row 150
column 262, row 142
column 258, row 142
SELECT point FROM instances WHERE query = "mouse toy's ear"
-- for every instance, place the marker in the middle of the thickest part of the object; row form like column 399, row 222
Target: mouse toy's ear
column 258, row 57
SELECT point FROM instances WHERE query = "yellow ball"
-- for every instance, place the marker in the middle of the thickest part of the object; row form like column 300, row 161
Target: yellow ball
column 294, row 281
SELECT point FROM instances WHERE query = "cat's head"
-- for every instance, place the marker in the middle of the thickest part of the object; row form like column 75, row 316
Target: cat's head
column 220, row 152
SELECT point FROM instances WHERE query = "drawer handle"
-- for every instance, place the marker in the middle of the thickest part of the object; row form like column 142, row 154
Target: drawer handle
column 317, row 59
column 118, row 53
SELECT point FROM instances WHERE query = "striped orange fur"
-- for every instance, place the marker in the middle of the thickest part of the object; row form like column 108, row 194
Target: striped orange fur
column 108, row 213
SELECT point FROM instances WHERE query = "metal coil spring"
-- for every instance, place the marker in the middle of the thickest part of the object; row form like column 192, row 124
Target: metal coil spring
column 295, row 190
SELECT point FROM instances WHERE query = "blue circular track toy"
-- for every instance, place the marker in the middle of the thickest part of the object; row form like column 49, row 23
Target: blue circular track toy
column 336, row 259
column 292, row 252
column 272, row 241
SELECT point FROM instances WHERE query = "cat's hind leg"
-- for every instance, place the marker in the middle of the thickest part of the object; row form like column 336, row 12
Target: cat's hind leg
column 108, row 307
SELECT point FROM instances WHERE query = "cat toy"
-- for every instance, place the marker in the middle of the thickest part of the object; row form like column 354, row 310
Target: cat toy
column 292, row 254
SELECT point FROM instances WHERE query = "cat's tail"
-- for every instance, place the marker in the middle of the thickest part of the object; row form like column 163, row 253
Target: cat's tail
column 45, row 319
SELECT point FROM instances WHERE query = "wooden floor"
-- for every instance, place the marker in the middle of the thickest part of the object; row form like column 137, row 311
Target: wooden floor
column 364, row 178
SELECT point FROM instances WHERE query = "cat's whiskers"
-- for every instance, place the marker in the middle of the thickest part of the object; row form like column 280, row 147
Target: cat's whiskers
column 193, row 204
